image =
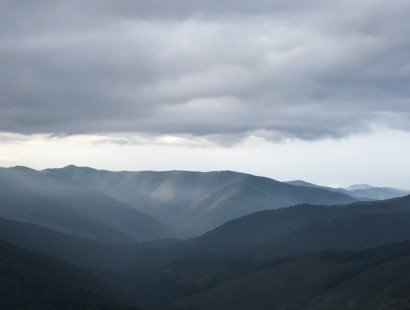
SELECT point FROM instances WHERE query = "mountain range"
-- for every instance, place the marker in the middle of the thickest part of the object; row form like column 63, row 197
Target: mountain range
column 80, row 238
column 360, row 191
column 195, row 202
column 48, row 200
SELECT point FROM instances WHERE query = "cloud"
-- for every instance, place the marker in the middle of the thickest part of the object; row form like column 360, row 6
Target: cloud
column 223, row 70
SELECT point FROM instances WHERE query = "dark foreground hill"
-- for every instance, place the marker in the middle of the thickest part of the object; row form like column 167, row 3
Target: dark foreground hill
column 236, row 248
column 159, row 274
column 194, row 202
column 29, row 280
column 265, row 226
column 77, row 251
column 299, row 257
column 372, row 279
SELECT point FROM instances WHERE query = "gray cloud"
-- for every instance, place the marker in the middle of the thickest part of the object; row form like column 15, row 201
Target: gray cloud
column 204, row 68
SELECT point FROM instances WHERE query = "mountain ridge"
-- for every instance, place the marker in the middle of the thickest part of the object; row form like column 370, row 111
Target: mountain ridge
column 360, row 191
column 52, row 201
column 177, row 197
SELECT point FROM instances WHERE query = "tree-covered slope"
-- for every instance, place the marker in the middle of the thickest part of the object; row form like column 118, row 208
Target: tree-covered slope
column 194, row 202
column 365, row 280
column 29, row 280
column 264, row 226
column 47, row 200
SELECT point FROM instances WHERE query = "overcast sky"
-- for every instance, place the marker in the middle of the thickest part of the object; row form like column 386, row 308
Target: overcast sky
column 315, row 90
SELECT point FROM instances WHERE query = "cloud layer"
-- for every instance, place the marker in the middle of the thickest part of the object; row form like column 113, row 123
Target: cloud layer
column 204, row 68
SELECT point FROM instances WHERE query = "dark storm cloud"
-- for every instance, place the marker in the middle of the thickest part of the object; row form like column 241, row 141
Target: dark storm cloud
column 204, row 68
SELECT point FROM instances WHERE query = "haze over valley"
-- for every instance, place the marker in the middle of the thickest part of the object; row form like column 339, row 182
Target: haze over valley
column 170, row 239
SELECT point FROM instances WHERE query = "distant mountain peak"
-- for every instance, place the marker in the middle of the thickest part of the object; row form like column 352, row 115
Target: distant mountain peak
column 358, row 186
column 71, row 166
column 302, row 183
column 22, row 168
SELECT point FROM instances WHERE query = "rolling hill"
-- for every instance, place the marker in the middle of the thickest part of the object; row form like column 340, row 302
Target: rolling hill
column 29, row 280
column 365, row 280
column 76, row 251
column 264, row 226
column 53, row 202
column 195, row 202
column 363, row 191
column 246, row 245
column 295, row 257
column 360, row 191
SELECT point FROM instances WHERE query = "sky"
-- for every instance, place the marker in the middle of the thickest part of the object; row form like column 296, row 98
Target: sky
column 314, row 90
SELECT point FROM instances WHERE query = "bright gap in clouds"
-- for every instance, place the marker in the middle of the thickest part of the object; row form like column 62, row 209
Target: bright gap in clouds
column 379, row 158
